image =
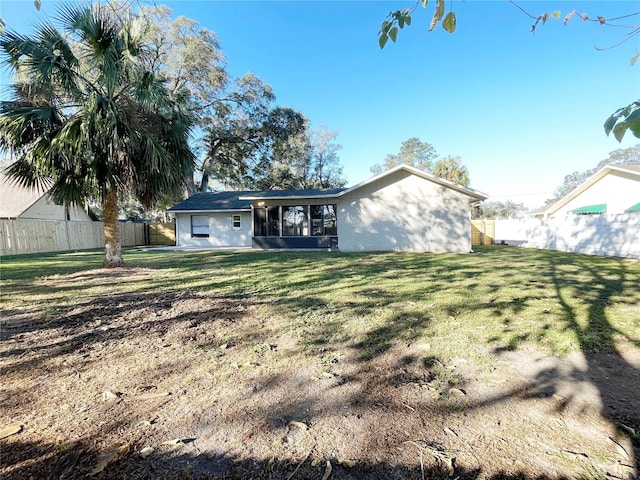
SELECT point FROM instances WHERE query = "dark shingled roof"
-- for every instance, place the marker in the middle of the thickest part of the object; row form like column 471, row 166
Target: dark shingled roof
column 212, row 201
column 216, row 201
column 295, row 193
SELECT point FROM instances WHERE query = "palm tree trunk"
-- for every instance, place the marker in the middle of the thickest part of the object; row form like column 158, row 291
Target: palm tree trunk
column 112, row 253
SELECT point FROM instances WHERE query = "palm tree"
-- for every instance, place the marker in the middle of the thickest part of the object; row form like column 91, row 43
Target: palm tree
column 452, row 169
column 88, row 120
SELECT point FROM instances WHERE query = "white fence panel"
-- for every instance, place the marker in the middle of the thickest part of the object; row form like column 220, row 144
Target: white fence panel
column 609, row 235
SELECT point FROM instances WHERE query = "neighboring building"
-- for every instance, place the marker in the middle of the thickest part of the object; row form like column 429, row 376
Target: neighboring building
column 22, row 203
column 403, row 209
column 612, row 189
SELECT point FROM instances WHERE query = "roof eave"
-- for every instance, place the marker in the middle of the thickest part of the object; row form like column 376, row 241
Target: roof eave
column 475, row 194
column 224, row 210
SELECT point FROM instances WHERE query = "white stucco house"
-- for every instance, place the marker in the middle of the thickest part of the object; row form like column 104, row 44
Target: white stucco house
column 20, row 203
column 403, row 209
column 614, row 189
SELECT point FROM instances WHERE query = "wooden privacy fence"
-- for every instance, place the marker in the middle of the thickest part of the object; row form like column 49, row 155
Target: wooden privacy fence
column 38, row 236
column 483, row 232
column 160, row 233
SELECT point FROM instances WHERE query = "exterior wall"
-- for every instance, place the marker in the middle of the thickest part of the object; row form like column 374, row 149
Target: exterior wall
column 617, row 189
column 45, row 209
column 606, row 234
column 403, row 212
column 221, row 231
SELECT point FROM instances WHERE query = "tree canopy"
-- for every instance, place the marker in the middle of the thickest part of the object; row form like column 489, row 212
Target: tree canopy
column 89, row 118
column 500, row 210
column 413, row 152
column 421, row 155
column 617, row 157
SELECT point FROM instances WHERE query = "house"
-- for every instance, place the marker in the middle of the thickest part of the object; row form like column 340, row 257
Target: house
column 613, row 189
column 21, row 203
column 403, row 209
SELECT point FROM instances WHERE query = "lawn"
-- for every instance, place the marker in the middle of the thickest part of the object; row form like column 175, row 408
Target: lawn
column 506, row 363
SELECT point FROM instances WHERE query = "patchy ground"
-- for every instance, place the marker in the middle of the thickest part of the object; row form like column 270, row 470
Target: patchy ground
column 184, row 384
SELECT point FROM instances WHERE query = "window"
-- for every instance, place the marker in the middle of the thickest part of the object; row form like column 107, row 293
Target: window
column 235, row 221
column 323, row 220
column 199, row 226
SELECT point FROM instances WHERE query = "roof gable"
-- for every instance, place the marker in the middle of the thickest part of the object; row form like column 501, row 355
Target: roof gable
column 632, row 170
column 15, row 199
column 474, row 194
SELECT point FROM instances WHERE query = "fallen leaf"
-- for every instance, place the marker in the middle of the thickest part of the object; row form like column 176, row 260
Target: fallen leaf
column 315, row 462
column 457, row 392
column 300, row 425
column 348, row 463
column 175, row 441
column 327, row 472
column 108, row 395
column 8, row 431
column 146, row 451
column 450, row 431
column 451, row 469
column 109, row 456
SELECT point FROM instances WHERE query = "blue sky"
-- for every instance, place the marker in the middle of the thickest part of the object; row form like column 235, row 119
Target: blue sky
column 521, row 110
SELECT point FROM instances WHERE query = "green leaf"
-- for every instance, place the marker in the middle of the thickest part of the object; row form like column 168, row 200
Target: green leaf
column 556, row 14
column 437, row 15
column 619, row 130
column 424, row 3
column 634, row 59
column 633, row 122
column 393, row 33
column 407, row 19
column 449, row 22
column 401, row 22
column 609, row 124
column 37, row 4
column 382, row 41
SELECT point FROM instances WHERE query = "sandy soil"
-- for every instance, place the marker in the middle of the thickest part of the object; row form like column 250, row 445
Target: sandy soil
column 188, row 385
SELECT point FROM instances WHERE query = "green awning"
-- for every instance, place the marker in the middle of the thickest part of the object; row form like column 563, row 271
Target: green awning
column 633, row 208
column 590, row 209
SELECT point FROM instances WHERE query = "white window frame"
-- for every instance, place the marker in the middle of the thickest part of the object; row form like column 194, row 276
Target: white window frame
column 199, row 228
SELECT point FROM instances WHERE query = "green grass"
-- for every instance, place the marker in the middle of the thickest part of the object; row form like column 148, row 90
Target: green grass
column 498, row 298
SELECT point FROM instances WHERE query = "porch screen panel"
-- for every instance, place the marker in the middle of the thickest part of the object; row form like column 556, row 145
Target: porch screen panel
column 294, row 221
column 273, row 221
column 323, row 220
column 260, row 221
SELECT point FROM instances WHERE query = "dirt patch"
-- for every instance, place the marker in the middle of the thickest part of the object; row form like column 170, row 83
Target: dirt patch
column 183, row 384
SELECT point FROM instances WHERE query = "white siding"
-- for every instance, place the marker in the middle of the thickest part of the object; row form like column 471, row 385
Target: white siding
column 221, row 231
column 404, row 212
column 618, row 190
column 45, row 209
